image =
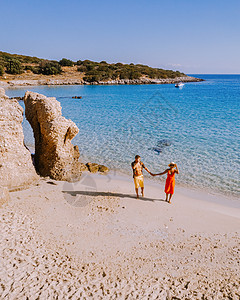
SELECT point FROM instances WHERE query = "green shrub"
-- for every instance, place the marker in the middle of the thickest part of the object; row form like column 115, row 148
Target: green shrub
column 50, row 68
column 82, row 69
column 66, row 62
column 87, row 62
column 92, row 78
column 1, row 70
column 14, row 66
column 135, row 75
column 31, row 68
column 124, row 75
column 89, row 67
column 37, row 70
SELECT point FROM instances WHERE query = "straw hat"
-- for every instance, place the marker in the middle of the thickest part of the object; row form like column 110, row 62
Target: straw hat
column 172, row 163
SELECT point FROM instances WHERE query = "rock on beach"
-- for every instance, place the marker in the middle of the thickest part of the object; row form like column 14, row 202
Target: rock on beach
column 55, row 155
column 16, row 168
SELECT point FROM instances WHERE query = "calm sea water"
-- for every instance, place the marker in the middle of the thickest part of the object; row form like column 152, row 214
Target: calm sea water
column 196, row 126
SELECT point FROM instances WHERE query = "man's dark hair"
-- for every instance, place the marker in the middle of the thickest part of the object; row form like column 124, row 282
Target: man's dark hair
column 137, row 156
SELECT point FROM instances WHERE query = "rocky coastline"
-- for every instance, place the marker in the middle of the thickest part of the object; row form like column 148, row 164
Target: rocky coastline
column 55, row 156
column 80, row 81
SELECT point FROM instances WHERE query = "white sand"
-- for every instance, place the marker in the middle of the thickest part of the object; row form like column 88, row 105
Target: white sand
column 96, row 240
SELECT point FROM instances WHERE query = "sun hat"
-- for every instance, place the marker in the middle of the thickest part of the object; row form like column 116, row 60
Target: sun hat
column 172, row 163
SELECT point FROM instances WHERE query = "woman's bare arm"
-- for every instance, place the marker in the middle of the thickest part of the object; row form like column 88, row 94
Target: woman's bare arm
column 161, row 173
column 176, row 170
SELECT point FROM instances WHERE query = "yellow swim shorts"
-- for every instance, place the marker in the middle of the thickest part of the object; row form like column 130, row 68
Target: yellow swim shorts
column 138, row 181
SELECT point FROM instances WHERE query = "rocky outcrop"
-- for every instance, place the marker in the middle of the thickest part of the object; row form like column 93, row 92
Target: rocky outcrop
column 145, row 80
column 94, row 168
column 102, row 169
column 72, row 81
column 4, row 195
column 55, row 156
column 16, row 168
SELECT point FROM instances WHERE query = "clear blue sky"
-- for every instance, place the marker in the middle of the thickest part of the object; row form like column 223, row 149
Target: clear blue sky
column 190, row 36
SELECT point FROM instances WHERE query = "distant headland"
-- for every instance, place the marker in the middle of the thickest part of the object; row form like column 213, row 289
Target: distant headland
column 20, row 70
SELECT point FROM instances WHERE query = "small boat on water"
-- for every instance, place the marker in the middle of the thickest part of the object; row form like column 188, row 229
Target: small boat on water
column 179, row 85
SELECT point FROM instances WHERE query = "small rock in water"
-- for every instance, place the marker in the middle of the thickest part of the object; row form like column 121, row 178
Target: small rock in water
column 77, row 97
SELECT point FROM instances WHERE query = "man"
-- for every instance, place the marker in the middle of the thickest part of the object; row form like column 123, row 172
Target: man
column 137, row 167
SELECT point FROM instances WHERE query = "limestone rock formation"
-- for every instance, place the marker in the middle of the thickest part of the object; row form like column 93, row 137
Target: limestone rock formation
column 94, row 168
column 16, row 168
column 55, row 156
column 102, row 169
column 83, row 167
column 4, row 195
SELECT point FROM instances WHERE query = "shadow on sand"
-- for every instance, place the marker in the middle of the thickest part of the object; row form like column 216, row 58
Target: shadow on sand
column 105, row 194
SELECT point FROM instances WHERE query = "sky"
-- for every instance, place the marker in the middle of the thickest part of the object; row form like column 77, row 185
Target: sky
column 195, row 37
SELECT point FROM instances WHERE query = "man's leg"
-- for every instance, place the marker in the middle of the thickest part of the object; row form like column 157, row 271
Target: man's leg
column 170, row 198
column 136, row 189
column 136, row 183
column 142, row 189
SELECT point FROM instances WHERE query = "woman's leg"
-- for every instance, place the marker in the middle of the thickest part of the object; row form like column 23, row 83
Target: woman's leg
column 166, row 197
column 170, row 198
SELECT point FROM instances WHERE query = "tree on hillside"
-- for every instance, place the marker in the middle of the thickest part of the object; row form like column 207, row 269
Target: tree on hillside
column 1, row 70
column 50, row 68
column 13, row 66
column 66, row 62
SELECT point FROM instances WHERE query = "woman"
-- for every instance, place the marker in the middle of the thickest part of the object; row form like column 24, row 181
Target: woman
column 170, row 181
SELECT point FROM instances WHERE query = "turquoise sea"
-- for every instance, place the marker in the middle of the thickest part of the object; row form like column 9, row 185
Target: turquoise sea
column 196, row 126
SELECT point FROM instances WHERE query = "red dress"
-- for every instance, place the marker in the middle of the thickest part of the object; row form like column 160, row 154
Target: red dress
column 170, row 183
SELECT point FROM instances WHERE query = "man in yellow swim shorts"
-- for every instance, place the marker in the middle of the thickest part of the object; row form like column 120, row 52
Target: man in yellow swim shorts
column 137, row 167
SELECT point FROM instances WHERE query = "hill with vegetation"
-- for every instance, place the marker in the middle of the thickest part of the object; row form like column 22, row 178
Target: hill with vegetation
column 91, row 71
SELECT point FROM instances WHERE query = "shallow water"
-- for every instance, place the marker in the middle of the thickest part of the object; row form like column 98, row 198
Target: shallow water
column 196, row 126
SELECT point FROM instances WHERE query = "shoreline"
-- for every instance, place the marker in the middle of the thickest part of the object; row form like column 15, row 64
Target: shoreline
column 68, row 81
column 185, row 190
column 59, row 204
column 126, row 174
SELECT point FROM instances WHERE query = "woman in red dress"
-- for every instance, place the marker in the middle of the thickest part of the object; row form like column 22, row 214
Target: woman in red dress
column 170, row 181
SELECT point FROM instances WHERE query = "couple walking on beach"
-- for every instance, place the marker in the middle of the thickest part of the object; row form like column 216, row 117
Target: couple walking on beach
column 138, row 166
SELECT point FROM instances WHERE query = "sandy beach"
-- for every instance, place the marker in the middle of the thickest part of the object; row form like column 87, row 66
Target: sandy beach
column 94, row 240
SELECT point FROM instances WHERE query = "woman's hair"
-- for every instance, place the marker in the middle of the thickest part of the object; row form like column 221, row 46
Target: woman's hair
column 137, row 156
